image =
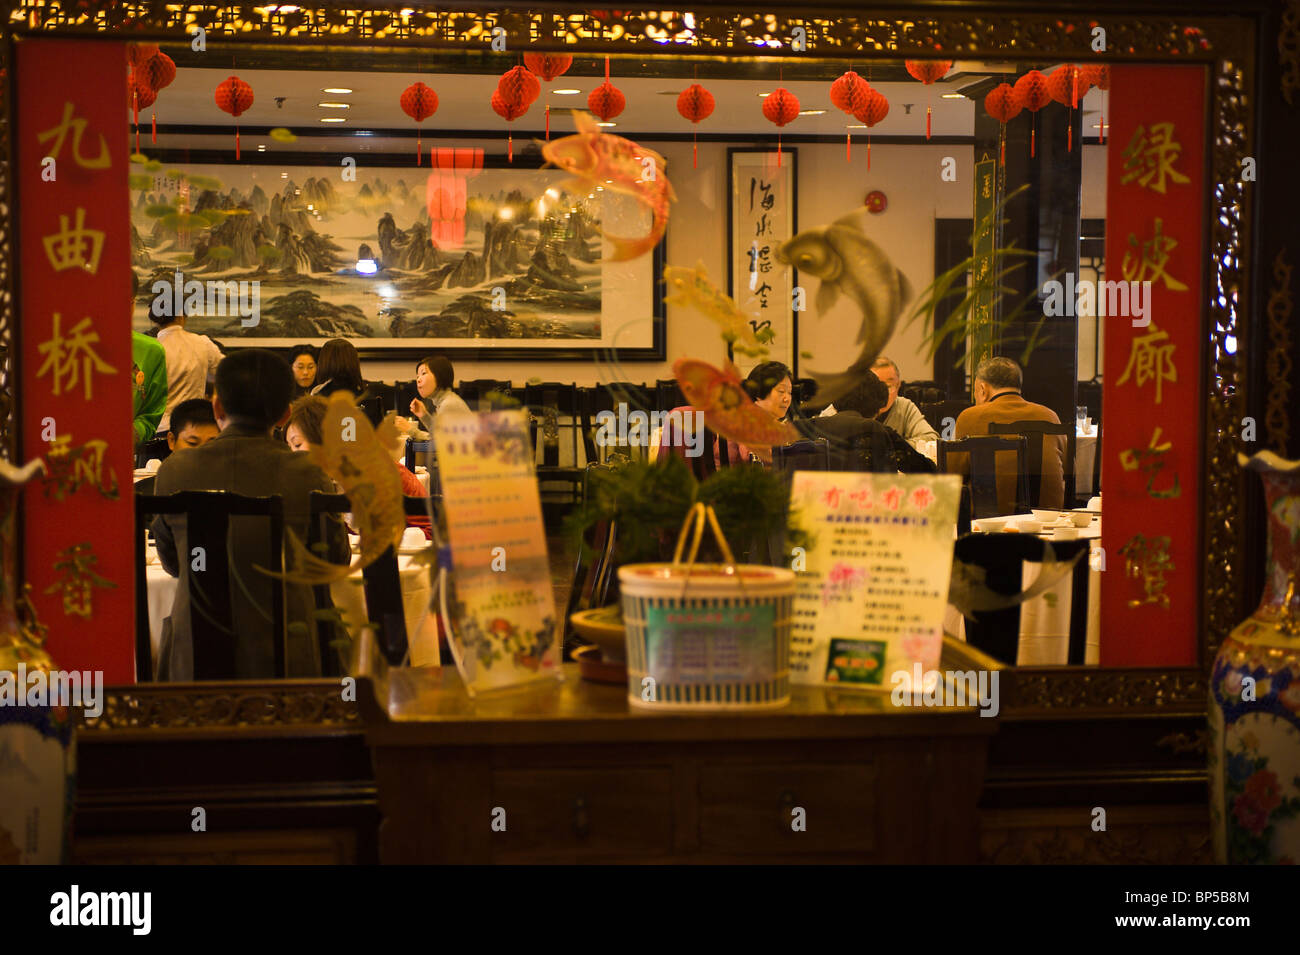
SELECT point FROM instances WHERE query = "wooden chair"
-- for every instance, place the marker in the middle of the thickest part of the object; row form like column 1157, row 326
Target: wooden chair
column 923, row 391
column 150, row 449
column 373, row 408
column 212, row 626
column 1002, row 556
column 486, row 394
column 386, row 395
column 1035, row 433
column 561, row 437
column 983, row 473
column 807, row 455
column 668, row 394
column 936, row 412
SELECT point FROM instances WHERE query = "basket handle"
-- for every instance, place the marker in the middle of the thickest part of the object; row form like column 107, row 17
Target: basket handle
column 700, row 515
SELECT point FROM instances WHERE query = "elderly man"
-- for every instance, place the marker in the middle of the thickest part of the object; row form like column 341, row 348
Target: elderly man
column 997, row 398
column 900, row 413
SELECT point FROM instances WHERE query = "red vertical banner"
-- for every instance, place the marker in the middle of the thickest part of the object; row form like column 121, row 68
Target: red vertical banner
column 75, row 378
column 1153, row 389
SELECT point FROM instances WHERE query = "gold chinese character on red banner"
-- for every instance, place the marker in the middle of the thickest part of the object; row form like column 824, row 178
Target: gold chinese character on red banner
column 1151, row 460
column 1148, row 558
column 1151, row 358
column 73, row 359
column 77, row 127
column 1150, row 155
column 1145, row 261
column 76, row 247
column 76, row 569
column 69, row 468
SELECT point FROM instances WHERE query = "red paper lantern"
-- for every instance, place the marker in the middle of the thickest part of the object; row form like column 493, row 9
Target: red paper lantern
column 848, row 92
column 158, row 71
column 1031, row 91
column 1065, row 85
column 927, row 71
column 139, row 95
column 548, row 65
column 519, row 85
column 446, row 192
column 138, row 54
column 509, row 110
column 874, row 109
column 234, row 96
column 780, row 107
column 695, row 103
column 606, row 101
column 419, row 102
column 1098, row 76
column 1001, row 103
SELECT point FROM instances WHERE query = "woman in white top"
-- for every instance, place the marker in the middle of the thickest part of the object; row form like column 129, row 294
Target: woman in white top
column 433, row 380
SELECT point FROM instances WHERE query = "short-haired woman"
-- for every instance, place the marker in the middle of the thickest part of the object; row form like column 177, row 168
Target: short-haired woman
column 434, row 377
column 338, row 369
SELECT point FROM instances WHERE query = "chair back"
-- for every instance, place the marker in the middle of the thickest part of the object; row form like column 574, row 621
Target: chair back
column 923, row 392
column 211, row 583
column 1035, row 433
column 386, row 395
column 668, row 394
column 982, row 454
column 373, row 408
column 562, row 438
column 807, row 455
column 936, row 412
column 486, row 394
column 404, row 392
column 1002, row 557
column 150, row 449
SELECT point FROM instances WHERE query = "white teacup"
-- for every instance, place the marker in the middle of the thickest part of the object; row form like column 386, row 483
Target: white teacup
column 1029, row 527
column 412, row 538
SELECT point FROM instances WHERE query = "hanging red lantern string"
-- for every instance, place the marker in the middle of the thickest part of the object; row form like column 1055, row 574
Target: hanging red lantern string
column 158, row 71
column 780, row 107
column 606, row 100
column 419, row 102
column 548, row 65
column 1098, row 76
column 849, row 94
column 1031, row 94
column 509, row 111
column 695, row 103
column 874, row 109
column 927, row 71
column 446, row 192
column 1063, row 86
column 1002, row 105
column 139, row 95
column 516, row 91
column 234, row 96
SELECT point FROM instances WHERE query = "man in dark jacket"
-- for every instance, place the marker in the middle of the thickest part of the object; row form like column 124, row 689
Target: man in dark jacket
column 253, row 388
column 858, row 442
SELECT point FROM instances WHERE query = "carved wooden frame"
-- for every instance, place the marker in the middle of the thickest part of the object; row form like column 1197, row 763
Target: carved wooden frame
column 1016, row 31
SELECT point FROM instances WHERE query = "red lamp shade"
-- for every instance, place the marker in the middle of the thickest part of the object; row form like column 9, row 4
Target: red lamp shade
column 695, row 103
column 138, row 54
column 519, row 85
column 548, row 65
column 606, row 101
column 1098, row 76
column 234, row 96
column 849, row 92
column 419, row 102
column 158, row 71
column 927, row 71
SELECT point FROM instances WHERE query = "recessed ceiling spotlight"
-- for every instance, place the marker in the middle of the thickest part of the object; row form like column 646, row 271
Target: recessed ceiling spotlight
column 332, row 119
column 284, row 175
column 811, row 112
column 566, row 92
column 261, row 149
column 333, row 105
column 337, row 90
column 856, row 126
column 607, row 124
column 952, row 96
column 768, row 93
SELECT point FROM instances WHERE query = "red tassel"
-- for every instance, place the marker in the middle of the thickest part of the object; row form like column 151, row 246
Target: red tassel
column 236, row 142
column 927, row 122
column 548, row 122
column 1069, row 138
column 1002, row 148
column 1103, row 129
column 1032, row 129
column 510, row 147
column 695, row 154
column 778, row 150
column 154, row 123
column 419, row 146
column 868, row 152
column 1074, row 94
column 848, row 147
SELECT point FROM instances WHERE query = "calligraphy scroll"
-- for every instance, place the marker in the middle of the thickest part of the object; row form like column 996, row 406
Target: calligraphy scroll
column 75, row 367
column 1153, row 392
column 761, row 216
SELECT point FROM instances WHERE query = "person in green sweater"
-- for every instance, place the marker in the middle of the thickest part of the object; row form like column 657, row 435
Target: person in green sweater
column 149, row 383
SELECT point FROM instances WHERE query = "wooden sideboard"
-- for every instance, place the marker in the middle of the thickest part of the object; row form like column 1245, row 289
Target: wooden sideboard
column 568, row 772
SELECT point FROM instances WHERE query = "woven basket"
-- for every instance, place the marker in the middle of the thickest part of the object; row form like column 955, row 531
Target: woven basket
column 712, row 637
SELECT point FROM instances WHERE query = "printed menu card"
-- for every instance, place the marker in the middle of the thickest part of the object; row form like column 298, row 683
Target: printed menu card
column 873, row 583
column 502, row 611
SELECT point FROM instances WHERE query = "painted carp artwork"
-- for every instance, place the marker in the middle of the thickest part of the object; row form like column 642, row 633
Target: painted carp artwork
column 610, row 162
column 849, row 264
column 728, row 409
column 692, row 288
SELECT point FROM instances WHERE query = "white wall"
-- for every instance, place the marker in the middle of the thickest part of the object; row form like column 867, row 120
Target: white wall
column 829, row 187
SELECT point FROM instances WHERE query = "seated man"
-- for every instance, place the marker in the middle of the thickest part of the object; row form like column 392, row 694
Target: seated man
column 858, row 441
column 997, row 398
column 193, row 425
column 253, row 389
column 901, row 413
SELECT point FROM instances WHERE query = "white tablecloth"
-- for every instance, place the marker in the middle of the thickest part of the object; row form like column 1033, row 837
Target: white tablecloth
column 348, row 595
column 1085, row 454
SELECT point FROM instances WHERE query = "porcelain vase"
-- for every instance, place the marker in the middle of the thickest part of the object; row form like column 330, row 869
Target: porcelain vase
column 1254, row 745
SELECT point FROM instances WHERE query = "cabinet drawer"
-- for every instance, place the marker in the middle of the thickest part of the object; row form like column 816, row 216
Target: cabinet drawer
column 749, row 809
column 586, row 811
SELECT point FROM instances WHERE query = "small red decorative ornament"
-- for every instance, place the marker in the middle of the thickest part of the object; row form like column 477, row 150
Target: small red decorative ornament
column 606, row 100
column 1065, row 85
column 548, row 65
column 874, row 109
column 695, row 103
column 780, row 107
column 927, row 71
column 1031, row 94
column 1001, row 103
column 158, row 71
column 876, row 202
column 139, row 95
column 234, row 96
column 519, row 85
column 849, row 94
column 509, row 111
column 419, row 102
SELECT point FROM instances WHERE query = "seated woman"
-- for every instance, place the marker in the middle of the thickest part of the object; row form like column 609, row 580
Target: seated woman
column 434, row 377
column 338, row 369
column 302, row 359
column 771, row 385
column 302, row 432
column 859, row 442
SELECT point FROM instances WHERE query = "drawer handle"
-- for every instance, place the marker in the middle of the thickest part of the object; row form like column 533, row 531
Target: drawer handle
column 581, row 820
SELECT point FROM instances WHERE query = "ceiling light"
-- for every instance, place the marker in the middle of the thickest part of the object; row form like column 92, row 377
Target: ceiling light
column 607, row 124
column 856, row 126
column 952, row 96
column 338, row 90
column 566, row 92
column 332, row 105
column 768, row 93
column 332, row 119
column 668, row 92
column 261, row 149
column 811, row 112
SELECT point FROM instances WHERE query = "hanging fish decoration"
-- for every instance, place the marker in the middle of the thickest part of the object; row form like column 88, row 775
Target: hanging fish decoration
column 692, row 288
column 728, row 409
column 850, row 264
